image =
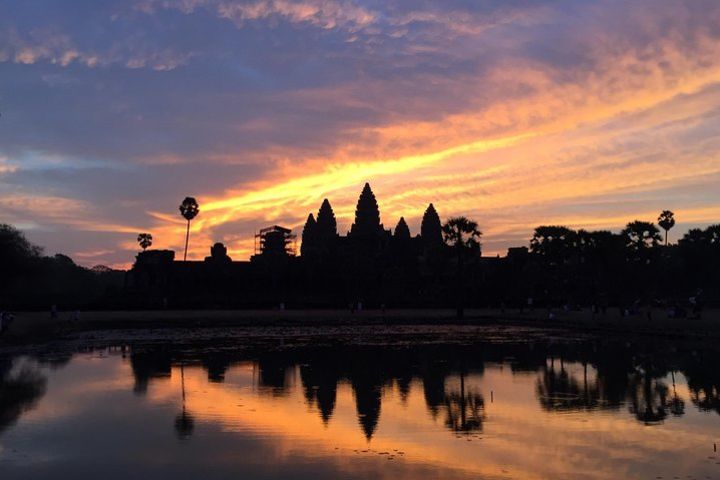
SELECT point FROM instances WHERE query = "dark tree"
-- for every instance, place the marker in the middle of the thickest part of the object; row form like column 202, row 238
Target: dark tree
column 16, row 252
column 189, row 209
column 463, row 236
column 666, row 220
column 640, row 240
column 145, row 240
column 554, row 243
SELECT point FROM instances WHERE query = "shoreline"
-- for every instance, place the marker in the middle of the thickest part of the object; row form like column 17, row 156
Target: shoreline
column 29, row 327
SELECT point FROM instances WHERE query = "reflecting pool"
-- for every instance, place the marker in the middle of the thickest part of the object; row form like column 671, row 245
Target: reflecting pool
column 534, row 410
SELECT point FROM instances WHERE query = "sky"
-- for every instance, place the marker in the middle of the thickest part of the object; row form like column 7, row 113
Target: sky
column 515, row 113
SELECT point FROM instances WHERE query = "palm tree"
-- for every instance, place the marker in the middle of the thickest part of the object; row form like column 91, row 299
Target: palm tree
column 463, row 236
column 189, row 209
column 145, row 240
column 666, row 220
column 555, row 243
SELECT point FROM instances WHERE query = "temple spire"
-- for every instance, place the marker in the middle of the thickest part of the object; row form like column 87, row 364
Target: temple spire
column 367, row 215
column 402, row 231
column 309, row 236
column 431, row 229
column 326, row 222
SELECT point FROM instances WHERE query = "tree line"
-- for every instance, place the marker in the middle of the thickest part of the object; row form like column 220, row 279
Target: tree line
column 559, row 266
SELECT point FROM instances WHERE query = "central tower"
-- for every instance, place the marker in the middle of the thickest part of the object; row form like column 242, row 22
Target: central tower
column 367, row 216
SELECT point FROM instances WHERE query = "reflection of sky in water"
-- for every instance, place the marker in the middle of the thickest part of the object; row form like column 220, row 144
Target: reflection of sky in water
column 103, row 415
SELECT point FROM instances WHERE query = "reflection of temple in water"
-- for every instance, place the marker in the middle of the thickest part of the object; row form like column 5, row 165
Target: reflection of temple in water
column 567, row 379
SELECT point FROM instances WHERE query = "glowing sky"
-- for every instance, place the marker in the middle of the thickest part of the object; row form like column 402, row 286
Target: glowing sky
column 512, row 112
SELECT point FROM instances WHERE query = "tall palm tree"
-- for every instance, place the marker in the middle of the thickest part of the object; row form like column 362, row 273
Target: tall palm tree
column 463, row 236
column 666, row 220
column 189, row 209
column 145, row 240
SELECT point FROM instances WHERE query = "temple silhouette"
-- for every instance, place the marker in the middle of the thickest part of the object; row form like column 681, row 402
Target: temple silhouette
column 375, row 267
column 371, row 265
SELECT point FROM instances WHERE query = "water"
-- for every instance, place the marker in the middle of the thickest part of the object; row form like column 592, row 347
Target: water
column 578, row 410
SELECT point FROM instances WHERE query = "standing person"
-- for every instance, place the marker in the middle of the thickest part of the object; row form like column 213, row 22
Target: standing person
column 53, row 311
column 2, row 323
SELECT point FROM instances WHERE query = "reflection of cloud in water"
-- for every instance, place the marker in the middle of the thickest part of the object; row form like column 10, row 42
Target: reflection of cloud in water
column 310, row 409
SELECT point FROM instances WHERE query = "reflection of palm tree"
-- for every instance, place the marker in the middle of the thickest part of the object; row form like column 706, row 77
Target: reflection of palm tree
column 648, row 399
column 561, row 391
column 189, row 209
column 703, row 380
column 706, row 397
column 677, row 404
column 465, row 411
column 184, row 422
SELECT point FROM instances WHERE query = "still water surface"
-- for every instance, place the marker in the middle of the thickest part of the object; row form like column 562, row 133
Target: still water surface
column 512, row 411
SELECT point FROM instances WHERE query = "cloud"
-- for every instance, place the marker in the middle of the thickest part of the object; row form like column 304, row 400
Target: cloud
column 322, row 13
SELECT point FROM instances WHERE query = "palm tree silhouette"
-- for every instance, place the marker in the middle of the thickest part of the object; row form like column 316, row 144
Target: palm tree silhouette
column 666, row 220
column 677, row 404
column 189, row 209
column 145, row 240
column 463, row 236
